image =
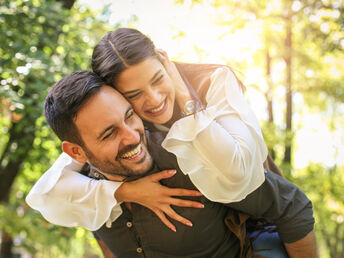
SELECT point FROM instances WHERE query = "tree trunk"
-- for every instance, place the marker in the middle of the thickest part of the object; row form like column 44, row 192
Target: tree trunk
column 269, row 93
column 23, row 137
column 67, row 4
column 6, row 245
column 270, row 87
column 288, row 62
column 8, row 173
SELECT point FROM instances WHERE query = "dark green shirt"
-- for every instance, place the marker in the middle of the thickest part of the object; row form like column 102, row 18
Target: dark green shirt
column 140, row 233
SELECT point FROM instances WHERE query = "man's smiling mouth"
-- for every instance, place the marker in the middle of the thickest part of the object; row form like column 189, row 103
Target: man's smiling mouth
column 133, row 153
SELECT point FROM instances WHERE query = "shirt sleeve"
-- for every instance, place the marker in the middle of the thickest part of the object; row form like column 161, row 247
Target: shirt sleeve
column 67, row 198
column 221, row 148
column 283, row 203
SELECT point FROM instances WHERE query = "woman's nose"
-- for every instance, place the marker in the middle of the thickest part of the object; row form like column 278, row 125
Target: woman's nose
column 153, row 98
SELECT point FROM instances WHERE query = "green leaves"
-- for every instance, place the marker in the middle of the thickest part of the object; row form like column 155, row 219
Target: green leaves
column 40, row 42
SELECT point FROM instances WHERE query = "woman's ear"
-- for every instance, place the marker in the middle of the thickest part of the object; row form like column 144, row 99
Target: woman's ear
column 75, row 151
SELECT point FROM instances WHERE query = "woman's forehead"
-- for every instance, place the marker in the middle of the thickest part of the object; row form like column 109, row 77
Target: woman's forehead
column 139, row 75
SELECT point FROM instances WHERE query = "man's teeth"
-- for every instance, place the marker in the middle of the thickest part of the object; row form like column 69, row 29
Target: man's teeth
column 133, row 153
column 158, row 108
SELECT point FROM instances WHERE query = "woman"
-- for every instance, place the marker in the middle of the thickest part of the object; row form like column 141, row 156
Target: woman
column 212, row 131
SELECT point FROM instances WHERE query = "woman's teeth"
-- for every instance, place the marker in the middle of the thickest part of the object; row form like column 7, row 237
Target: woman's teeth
column 132, row 154
column 158, row 108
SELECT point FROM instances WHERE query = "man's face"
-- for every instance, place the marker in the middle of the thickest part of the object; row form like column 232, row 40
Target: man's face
column 113, row 135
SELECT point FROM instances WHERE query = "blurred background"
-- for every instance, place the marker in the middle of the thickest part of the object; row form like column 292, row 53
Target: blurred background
column 289, row 54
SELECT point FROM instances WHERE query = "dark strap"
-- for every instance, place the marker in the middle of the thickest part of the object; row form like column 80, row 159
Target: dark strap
column 236, row 222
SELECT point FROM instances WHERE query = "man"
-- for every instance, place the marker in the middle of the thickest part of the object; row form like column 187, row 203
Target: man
column 106, row 133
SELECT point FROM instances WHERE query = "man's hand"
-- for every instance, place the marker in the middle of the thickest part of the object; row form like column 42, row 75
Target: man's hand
column 148, row 192
column 303, row 248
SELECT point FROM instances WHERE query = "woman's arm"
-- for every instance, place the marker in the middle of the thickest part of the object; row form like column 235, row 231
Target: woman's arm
column 67, row 198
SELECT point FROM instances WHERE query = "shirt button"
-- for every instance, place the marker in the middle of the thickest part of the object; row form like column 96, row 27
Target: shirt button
column 129, row 224
column 139, row 250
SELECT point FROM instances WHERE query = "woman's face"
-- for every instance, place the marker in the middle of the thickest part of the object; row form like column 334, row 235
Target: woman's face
column 149, row 89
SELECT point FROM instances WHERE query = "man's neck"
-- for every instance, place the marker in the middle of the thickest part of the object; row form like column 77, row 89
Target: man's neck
column 113, row 177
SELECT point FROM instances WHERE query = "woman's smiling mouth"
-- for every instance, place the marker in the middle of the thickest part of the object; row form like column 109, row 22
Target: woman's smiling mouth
column 159, row 109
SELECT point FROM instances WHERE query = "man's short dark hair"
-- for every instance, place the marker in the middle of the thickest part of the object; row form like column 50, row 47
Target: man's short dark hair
column 65, row 99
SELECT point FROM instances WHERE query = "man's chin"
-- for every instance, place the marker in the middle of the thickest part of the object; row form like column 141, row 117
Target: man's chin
column 139, row 168
column 139, row 165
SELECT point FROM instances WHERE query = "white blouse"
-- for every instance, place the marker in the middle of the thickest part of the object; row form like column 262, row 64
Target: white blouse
column 67, row 198
column 221, row 149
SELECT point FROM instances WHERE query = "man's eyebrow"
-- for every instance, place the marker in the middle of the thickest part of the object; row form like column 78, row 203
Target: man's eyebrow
column 151, row 81
column 104, row 132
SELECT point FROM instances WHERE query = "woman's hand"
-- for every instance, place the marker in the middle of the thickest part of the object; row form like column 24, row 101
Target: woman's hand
column 182, row 92
column 148, row 192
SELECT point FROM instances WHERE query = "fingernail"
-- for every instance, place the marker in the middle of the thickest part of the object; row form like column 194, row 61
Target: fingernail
column 199, row 194
column 172, row 172
column 173, row 229
column 200, row 206
column 189, row 224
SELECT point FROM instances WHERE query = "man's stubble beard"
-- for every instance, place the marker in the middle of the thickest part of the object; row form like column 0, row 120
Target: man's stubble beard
column 116, row 167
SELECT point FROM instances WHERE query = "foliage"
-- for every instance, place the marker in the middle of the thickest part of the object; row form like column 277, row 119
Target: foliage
column 324, row 187
column 316, row 60
column 40, row 42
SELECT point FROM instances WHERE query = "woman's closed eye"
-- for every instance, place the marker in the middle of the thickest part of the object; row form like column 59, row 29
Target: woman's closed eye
column 158, row 80
column 132, row 96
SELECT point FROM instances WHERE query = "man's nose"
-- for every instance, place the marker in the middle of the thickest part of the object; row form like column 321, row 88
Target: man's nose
column 130, row 135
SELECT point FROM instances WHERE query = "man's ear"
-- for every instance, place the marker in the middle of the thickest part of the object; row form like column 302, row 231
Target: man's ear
column 75, row 151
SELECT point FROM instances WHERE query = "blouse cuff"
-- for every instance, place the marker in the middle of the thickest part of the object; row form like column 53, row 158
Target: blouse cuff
column 90, row 205
column 195, row 124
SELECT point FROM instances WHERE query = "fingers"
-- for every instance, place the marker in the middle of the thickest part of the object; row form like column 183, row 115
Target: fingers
column 162, row 175
column 183, row 192
column 173, row 215
column 184, row 203
column 161, row 52
column 163, row 57
column 164, row 220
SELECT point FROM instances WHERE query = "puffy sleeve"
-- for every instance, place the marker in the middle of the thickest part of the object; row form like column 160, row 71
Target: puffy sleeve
column 221, row 148
column 67, row 198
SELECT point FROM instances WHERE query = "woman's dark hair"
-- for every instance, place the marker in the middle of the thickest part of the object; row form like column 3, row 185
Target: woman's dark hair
column 118, row 50
column 122, row 48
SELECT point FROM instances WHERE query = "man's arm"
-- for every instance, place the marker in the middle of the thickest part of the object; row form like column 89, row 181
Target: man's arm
column 303, row 248
column 289, row 208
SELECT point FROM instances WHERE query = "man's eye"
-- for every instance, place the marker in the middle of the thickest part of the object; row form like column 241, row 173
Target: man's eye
column 108, row 135
column 130, row 114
